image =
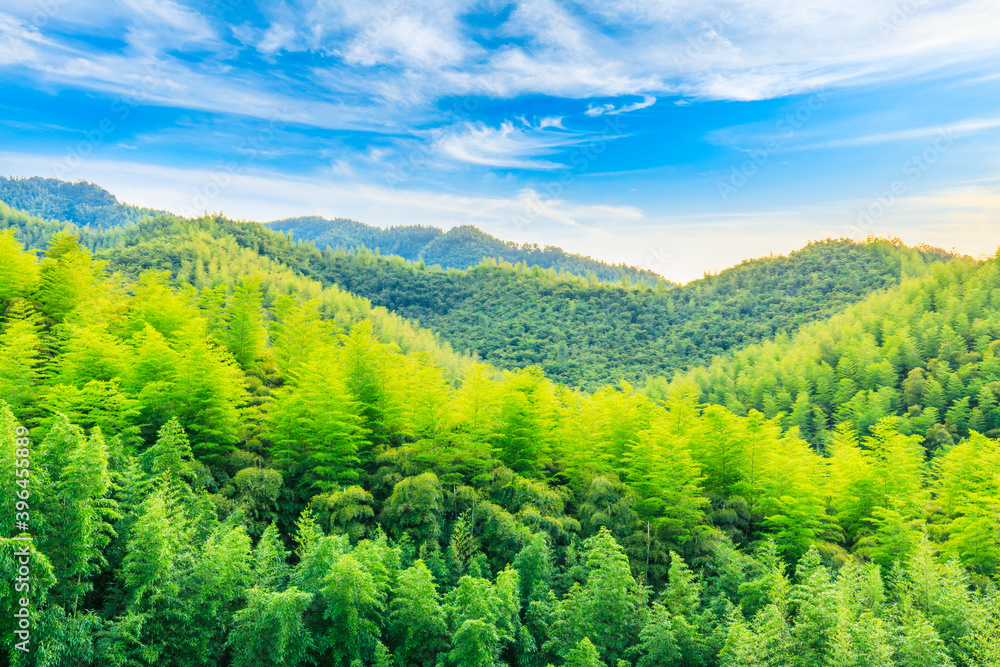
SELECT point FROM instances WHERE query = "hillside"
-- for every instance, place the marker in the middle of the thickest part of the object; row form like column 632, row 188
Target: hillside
column 461, row 247
column 82, row 203
column 407, row 241
column 587, row 334
column 87, row 205
column 582, row 332
column 925, row 353
column 235, row 458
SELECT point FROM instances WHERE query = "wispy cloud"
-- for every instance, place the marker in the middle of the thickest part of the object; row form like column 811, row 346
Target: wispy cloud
column 263, row 195
column 961, row 128
column 417, row 53
column 506, row 146
column 612, row 110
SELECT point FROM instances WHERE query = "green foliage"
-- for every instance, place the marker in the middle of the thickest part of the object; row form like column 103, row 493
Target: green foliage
column 171, row 453
column 67, row 276
column 354, row 604
column 316, row 426
column 609, row 609
column 460, row 247
column 18, row 269
column 586, row 333
column 270, row 631
column 415, row 508
column 246, row 336
column 584, row 654
column 921, row 351
column 20, row 356
column 82, row 203
column 252, row 468
column 417, row 621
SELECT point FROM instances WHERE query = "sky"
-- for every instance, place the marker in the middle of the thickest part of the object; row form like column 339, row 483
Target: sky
column 682, row 136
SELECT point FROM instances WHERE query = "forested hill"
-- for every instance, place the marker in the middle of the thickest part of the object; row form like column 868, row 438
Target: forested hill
column 579, row 331
column 235, row 470
column 925, row 353
column 82, row 203
column 587, row 334
column 461, row 247
column 87, row 205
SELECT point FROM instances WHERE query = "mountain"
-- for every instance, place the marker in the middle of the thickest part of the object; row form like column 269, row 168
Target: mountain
column 407, row 241
column 924, row 353
column 580, row 331
column 232, row 463
column 82, row 203
column 587, row 334
column 87, row 205
column 459, row 248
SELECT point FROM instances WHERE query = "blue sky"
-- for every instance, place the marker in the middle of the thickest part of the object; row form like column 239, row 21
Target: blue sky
column 681, row 136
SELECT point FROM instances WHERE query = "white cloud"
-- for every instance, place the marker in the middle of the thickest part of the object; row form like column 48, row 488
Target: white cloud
column 506, row 146
column 611, row 110
column 951, row 130
column 524, row 216
column 396, row 59
column 156, row 24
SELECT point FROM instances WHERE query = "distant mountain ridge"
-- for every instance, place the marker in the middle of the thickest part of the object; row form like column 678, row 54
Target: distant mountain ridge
column 588, row 334
column 87, row 205
column 82, row 203
column 461, row 247
column 579, row 331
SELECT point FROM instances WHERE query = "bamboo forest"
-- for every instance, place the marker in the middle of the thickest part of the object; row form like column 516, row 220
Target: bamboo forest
column 225, row 445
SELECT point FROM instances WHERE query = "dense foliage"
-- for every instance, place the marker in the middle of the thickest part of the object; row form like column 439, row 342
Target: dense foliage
column 586, row 333
column 580, row 331
column 35, row 232
column 89, row 206
column 81, row 203
column 925, row 352
column 461, row 247
column 243, row 469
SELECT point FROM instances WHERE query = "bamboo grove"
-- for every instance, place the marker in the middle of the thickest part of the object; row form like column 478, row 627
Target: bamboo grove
column 251, row 469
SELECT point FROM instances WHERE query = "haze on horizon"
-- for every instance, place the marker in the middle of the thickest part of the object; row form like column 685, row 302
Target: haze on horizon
column 681, row 137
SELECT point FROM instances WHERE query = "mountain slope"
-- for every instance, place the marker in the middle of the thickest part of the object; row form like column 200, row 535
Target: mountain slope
column 208, row 252
column 89, row 206
column 186, row 441
column 459, row 248
column 82, row 203
column 924, row 352
column 586, row 334
column 581, row 332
